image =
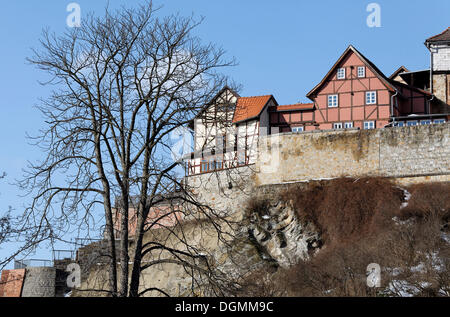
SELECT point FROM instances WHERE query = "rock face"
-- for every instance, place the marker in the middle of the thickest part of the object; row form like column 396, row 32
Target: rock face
column 273, row 238
column 281, row 237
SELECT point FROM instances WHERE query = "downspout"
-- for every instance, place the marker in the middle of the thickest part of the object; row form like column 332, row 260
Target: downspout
column 431, row 69
column 392, row 106
column 429, row 104
column 431, row 79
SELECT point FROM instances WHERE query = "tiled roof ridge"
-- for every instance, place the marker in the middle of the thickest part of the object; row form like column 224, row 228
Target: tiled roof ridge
column 437, row 35
column 259, row 96
column 297, row 104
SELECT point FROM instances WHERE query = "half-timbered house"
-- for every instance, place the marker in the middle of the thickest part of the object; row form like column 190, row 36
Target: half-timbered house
column 353, row 94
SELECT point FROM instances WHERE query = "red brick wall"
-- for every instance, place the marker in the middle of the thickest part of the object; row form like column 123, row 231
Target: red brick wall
column 11, row 283
column 159, row 216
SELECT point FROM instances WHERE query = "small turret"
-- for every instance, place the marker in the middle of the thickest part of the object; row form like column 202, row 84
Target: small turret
column 439, row 47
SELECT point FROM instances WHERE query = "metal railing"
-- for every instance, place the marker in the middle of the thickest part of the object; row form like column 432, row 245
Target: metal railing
column 81, row 242
column 63, row 254
column 21, row 264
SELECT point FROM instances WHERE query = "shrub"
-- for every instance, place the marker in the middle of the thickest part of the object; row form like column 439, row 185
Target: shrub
column 346, row 209
column 357, row 220
column 428, row 201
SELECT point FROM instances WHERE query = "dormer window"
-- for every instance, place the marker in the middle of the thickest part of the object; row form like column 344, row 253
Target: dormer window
column 361, row 72
column 341, row 73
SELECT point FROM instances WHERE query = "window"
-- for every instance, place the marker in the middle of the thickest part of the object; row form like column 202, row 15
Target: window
column 241, row 157
column 216, row 165
column 337, row 125
column 348, row 125
column 341, row 73
column 333, row 101
column 369, row 125
column 361, row 71
column 437, row 121
column 204, row 166
column 297, row 129
column 399, row 124
column 371, row 97
column 424, row 122
column 411, row 123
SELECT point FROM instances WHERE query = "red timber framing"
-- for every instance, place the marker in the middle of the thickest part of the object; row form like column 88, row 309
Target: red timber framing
column 286, row 117
column 363, row 94
column 353, row 94
column 411, row 101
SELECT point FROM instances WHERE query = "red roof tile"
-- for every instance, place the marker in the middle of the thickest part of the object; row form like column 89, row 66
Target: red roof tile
column 250, row 107
column 293, row 107
column 444, row 36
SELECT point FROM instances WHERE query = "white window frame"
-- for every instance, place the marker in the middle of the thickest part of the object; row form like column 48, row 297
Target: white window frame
column 333, row 102
column 368, row 125
column 298, row 129
column 361, row 71
column 425, row 122
column 337, row 125
column 341, row 73
column 348, row 125
column 412, row 123
column 371, row 97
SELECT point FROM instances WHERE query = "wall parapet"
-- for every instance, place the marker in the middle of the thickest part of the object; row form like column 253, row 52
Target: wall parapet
column 390, row 152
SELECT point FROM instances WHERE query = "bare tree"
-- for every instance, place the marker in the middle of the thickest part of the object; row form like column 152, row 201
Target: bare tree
column 123, row 83
column 5, row 220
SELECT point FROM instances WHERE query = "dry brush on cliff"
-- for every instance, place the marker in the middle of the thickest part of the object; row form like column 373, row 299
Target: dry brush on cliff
column 362, row 221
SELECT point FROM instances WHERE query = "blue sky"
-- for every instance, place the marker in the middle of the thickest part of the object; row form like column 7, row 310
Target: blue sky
column 283, row 48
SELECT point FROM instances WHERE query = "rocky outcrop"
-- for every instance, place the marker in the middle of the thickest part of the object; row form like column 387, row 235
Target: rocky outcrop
column 273, row 238
column 281, row 237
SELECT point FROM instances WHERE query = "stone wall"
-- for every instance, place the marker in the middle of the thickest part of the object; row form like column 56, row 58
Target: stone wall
column 225, row 191
column 419, row 151
column 39, row 282
column 441, row 57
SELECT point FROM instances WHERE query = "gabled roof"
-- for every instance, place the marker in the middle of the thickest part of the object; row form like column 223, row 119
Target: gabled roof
column 401, row 69
column 293, row 107
column 251, row 107
column 234, row 93
column 444, row 36
column 366, row 61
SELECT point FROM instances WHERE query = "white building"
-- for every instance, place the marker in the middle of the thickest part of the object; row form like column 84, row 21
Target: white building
column 226, row 132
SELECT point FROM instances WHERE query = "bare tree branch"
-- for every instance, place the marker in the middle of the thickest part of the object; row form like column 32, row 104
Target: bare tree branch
column 123, row 82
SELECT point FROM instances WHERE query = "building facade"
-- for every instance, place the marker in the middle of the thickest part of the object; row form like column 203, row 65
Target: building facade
column 353, row 94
